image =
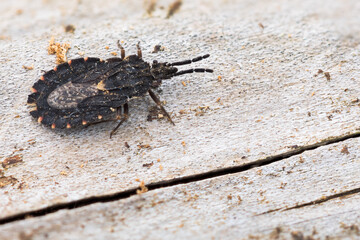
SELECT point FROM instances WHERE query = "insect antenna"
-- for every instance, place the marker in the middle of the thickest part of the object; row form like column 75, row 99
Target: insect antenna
column 193, row 70
column 190, row 61
column 185, row 62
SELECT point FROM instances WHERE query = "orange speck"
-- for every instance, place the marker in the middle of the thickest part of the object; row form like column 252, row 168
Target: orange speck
column 68, row 125
column 219, row 78
column 114, row 53
column 53, row 126
column 19, row 11
column 42, row 78
column 100, row 117
column 69, row 62
column 183, row 83
column 107, row 47
column 55, row 69
column 28, row 67
column 86, row 58
column 40, row 119
column 84, row 122
column 33, row 90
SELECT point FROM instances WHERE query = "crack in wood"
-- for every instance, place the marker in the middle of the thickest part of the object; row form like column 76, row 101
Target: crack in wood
column 315, row 202
column 188, row 179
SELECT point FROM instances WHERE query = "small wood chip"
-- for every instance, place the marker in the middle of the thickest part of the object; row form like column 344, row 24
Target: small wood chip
column 319, row 72
column 11, row 161
column 150, row 6
column 345, row 150
column 143, row 188
column 148, row 165
column 59, row 49
column 4, row 181
column 28, row 67
column 143, row 146
column 158, row 48
column 69, row 28
column 173, row 8
column 19, row 12
column 327, row 75
column 22, row 185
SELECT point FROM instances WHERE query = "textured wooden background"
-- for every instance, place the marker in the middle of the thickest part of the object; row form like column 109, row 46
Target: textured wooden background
column 266, row 147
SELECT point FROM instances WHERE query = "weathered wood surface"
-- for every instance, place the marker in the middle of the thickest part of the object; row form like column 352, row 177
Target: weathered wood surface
column 270, row 100
column 254, row 203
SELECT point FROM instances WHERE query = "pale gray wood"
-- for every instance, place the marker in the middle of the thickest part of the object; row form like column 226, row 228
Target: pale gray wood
column 270, row 99
column 227, row 207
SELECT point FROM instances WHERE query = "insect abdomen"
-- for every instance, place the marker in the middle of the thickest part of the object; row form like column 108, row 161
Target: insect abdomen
column 57, row 104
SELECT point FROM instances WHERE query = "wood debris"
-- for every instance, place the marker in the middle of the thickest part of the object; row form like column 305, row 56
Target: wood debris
column 11, row 160
column 142, row 188
column 28, row 67
column 4, row 181
column 59, row 49
column 173, row 8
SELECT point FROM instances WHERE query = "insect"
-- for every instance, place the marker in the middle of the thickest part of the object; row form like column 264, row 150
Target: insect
column 87, row 91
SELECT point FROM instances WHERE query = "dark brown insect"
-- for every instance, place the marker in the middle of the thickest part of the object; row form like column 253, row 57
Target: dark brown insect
column 86, row 91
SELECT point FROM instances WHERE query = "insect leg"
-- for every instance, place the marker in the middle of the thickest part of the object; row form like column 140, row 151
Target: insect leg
column 157, row 101
column 139, row 53
column 123, row 119
column 122, row 50
column 118, row 113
